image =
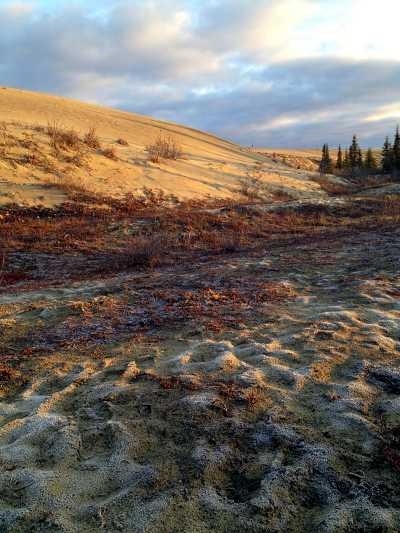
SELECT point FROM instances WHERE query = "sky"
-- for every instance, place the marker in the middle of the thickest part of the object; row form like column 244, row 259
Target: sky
column 278, row 73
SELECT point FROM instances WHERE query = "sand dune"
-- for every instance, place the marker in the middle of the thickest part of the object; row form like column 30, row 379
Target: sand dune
column 209, row 166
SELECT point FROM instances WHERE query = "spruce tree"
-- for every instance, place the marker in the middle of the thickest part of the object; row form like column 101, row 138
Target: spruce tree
column 329, row 163
column 346, row 159
column 387, row 157
column 360, row 162
column 370, row 161
column 325, row 166
column 354, row 156
column 396, row 151
column 339, row 160
column 322, row 162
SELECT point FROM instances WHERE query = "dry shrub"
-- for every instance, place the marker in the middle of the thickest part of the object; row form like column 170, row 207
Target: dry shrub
column 164, row 147
column 143, row 253
column 61, row 138
column 5, row 139
column 252, row 187
column 91, row 139
column 255, row 397
column 334, row 186
column 11, row 378
column 321, row 371
column 79, row 158
column 110, row 153
column 281, row 195
column 28, row 143
column 122, row 142
column 3, row 134
column 36, row 159
column 38, row 128
column 69, row 184
column 225, row 242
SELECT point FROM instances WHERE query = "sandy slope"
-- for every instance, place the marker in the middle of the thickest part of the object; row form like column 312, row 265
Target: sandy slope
column 210, row 165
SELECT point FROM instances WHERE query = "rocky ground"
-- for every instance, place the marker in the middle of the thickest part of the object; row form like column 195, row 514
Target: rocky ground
column 257, row 391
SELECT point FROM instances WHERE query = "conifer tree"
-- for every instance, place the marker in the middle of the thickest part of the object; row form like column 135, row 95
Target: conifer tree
column 325, row 166
column 354, row 155
column 360, row 162
column 329, row 163
column 370, row 161
column 339, row 160
column 346, row 159
column 387, row 157
column 396, row 151
column 322, row 162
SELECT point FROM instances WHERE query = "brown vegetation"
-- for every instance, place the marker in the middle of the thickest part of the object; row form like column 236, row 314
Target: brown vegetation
column 164, row 147
column 91, row 139
column 61, row 138
column 110, row 153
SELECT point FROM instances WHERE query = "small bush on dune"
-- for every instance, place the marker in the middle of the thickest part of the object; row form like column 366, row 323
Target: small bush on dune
column 251, row 185
column 62, row 139
column 143, row 253
column 164, row 148
column 110, row 153
column 122, row 142
column 91, row 139
column 79, row 158
column 36, row 159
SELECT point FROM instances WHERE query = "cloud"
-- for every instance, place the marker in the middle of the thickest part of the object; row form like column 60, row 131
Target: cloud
column 276, row 72
column 391, row 111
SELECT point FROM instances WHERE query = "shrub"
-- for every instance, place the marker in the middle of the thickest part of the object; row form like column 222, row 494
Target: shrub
column 251, row 185
column 164, row 148
column 110, row 153
column 122, row 142
column 143, row 253
column 91, row 139
column 78, row 158
column 62, row 139
column 36, row 159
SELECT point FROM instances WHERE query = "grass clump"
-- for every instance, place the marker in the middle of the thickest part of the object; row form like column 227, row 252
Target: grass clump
column 164, row 147
column 110, row 153
column 91, row 139
column 61, row 138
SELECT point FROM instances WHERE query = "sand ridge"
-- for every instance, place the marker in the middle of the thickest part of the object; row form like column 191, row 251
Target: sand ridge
column 210, row 166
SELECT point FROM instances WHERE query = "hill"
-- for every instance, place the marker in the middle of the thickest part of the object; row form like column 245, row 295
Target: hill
column 31, row 173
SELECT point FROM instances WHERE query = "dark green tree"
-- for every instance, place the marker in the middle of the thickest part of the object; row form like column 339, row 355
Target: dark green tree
column 346, row 159
column 326, row 165
column 370, row 162
column 360, row 161
column 355, row 156
column 387, row 157
column 396, row 151
column 339, row 159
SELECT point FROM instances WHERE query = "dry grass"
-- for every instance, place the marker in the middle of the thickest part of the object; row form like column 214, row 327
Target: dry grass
column 142, row 253
column 61, row 138
column 152, row 230
column 164, row 147
column 110, row 153
column 251, row 186
column 39, row 160
column 10, row 379
column 91, row 139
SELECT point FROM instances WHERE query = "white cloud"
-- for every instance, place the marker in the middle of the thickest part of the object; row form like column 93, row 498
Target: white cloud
column 391, row 111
